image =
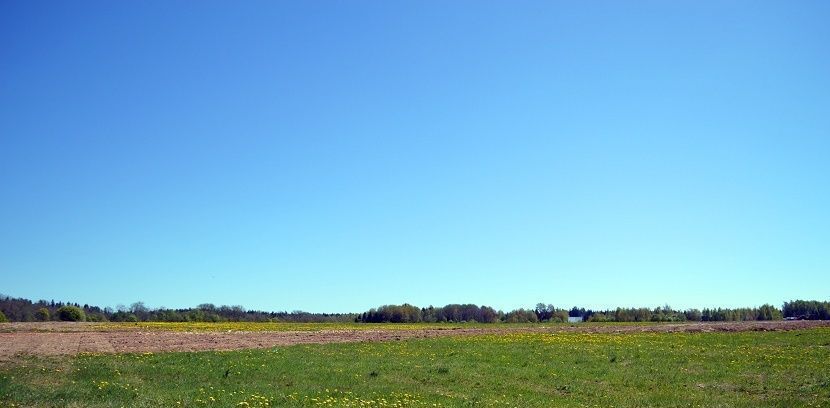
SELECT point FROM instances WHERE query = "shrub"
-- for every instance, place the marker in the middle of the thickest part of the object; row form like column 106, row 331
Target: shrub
column 96, row 317
column 3, row 318
column 559, row 316
column 42, row 314
column 521, row 316
column 693, row 315
column 71, row 314
column 598, row 317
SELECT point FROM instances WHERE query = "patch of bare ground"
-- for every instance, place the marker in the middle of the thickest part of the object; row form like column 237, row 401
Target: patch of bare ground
column 73, row 338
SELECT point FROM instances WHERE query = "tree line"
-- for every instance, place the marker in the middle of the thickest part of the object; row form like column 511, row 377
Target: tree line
column 407, row 313
column 667, row 314
column 807, row 309
column 25, row 310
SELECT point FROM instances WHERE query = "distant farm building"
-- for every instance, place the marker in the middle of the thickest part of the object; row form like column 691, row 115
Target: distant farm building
column 577, row 319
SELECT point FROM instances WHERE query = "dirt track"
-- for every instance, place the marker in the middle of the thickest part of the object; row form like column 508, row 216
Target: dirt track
column 74, row 338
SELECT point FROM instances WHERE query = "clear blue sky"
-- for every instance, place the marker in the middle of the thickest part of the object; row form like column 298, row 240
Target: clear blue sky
column 335, row 156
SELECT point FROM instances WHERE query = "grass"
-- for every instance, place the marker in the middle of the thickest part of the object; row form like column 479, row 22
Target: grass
column 268, row 326
column 278, row 326
column 747, row 369
column 264, row 326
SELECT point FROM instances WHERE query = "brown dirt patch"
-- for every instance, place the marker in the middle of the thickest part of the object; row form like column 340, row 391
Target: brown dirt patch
column 74, row 338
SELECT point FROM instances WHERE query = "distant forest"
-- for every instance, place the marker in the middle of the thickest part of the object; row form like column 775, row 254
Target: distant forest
column 25, row 310
column 798, row 309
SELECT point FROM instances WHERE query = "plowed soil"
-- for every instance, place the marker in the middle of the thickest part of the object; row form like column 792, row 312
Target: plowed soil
column 73, row 338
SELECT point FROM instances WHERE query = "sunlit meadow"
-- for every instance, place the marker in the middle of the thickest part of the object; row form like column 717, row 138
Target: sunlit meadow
column 746, row 369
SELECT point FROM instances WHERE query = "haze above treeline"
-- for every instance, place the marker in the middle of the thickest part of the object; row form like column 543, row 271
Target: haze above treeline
column 23, row 310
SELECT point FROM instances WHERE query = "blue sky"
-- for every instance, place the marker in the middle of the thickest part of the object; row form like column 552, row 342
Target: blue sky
column 336, row 156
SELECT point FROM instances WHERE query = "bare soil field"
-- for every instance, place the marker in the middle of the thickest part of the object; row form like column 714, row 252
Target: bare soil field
column 54, row 338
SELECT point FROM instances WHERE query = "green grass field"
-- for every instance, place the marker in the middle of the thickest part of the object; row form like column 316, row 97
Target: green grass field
column 746, row 369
